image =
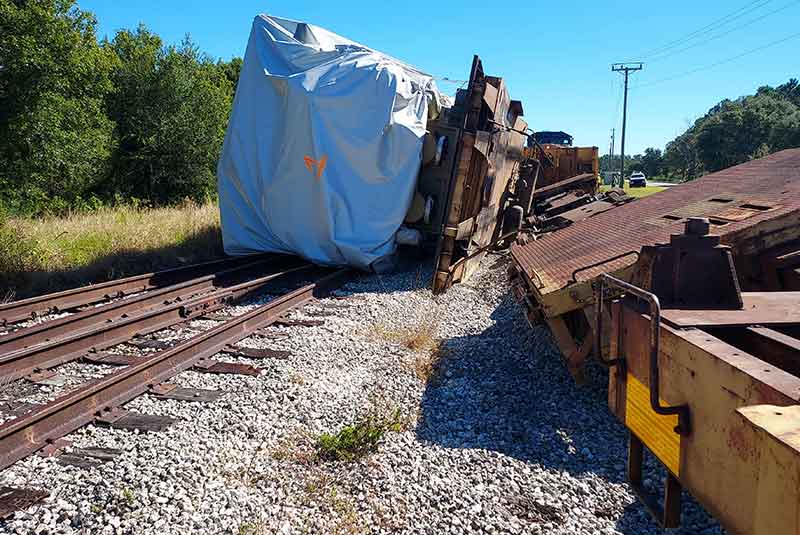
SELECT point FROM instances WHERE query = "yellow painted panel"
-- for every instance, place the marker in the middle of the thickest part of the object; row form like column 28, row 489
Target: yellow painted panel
column 657, row 432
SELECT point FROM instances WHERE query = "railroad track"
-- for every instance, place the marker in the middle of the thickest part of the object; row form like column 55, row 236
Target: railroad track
column 95, row 333
column 68, row 300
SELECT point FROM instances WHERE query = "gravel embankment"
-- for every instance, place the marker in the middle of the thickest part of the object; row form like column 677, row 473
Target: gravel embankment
column 497, row 440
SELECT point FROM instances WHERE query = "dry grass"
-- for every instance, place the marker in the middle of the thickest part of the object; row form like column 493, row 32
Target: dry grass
column 422, row 339
column 57, row 253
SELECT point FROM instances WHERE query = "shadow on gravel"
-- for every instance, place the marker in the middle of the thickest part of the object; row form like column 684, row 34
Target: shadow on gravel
column 506, row 390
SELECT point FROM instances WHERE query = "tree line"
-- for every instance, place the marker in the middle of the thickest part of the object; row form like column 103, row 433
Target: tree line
column 730, row 133
column 84, row 122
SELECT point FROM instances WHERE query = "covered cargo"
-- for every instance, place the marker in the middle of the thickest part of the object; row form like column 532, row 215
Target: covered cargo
column 323, row 147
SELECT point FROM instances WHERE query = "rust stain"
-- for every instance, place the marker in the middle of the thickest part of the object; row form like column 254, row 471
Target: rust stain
column 738, row 443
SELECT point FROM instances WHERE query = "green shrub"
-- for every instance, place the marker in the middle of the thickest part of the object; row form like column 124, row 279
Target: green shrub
column 358, row 439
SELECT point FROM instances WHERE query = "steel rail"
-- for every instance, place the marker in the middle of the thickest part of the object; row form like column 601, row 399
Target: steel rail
column 18, row 364
column 44, row 425
column 49, row 330
column 16, row 311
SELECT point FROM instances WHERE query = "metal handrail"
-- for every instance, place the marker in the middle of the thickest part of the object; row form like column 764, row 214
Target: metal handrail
column 682, row 411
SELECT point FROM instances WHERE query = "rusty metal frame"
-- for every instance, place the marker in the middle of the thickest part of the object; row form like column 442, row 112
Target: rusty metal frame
column 33, row 431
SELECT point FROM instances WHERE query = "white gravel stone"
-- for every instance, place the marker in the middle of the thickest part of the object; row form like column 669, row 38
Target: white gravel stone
column 500, row 440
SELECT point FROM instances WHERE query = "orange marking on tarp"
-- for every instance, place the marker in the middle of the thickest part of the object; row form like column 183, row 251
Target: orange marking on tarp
column 321, row 166
column 311, row 163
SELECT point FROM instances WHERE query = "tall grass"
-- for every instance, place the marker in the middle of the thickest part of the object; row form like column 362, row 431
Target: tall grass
column 53, row 253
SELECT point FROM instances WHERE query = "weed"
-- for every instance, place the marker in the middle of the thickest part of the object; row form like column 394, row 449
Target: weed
column 129, row 496
column 420, row 338
column 297, row 379
column 428, row 366
column 297, row 447
column 321, row 488
column 252, row 528
column 357, row 440
column 248, row 477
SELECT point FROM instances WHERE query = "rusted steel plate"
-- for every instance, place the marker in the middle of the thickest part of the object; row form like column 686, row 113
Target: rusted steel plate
column 25, row 435
column 68, row 299
column 485, row 132
column 760, row 308
column 575, row 182
column 148, row 343
column 774, row 181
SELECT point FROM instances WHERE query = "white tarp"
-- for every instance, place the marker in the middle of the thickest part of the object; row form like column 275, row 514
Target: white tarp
column 323, row 147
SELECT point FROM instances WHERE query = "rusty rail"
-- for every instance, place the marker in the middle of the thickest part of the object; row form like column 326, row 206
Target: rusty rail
column 44, row 425
column 48, row 354
column 68, row 299
column 52, row 329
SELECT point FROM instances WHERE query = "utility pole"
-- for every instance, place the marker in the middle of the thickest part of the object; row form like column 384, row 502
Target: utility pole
column 611, row 155
column 626, row 68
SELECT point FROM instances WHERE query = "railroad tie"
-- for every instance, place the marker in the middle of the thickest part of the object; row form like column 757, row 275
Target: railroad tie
column 257, row 353
column 285, row 322
column 88, row 457
column 216, row 366
column 15, row 499
column 172, row 391
column 118, row 418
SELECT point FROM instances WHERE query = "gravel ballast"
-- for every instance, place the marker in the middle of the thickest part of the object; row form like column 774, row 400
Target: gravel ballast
column 492, row 435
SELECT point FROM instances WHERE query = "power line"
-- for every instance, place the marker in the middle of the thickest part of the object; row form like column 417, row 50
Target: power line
column 722, row 21
column 722, row 62
column 717, row 36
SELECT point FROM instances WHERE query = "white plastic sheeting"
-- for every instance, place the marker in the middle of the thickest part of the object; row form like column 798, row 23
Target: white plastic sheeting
column 323, row 147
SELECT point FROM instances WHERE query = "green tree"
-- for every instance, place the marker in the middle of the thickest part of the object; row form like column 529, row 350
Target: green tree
column 171, row 106
column 680, row 157
column 652, row 162
column 735, row 131
column 231, row 69
column 55, row 138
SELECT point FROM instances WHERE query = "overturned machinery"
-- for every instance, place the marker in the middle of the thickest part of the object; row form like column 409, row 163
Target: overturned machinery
column 753, row 207
column 465, row 185
column 692, row 299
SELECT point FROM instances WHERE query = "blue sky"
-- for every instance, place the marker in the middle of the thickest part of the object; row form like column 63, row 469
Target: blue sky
column 555, row 57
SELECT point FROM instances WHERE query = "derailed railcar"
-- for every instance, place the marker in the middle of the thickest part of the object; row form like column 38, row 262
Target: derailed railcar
column 691, row 298
column 465, row 186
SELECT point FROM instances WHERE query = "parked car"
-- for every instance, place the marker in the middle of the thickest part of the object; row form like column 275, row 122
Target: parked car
column 637, row 180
